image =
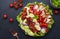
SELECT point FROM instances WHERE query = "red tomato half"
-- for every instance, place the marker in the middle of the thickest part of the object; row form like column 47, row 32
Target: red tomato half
column 43, row 24
column 41, row 19
column 39, row 12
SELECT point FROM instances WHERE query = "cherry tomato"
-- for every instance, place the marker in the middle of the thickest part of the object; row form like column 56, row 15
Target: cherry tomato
column 16, row 7
column 41, row 19
column 19, row 0
column 15, row 3
column 11, row 5
column 11, row 19
column 5, row 16
column 21, row 5
column 56, row 11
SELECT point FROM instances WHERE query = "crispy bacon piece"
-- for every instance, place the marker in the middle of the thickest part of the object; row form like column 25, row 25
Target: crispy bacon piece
column 33, row 29
column 23, row 15
column 31, row 7
column 31, row 25
column 34, row 11
column 24, row 10
column 29, row 21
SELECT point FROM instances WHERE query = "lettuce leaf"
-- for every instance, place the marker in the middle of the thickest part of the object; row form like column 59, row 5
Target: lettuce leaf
column 35, row 17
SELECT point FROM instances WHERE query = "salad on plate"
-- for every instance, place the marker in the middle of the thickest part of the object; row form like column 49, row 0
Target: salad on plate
column 35, row 19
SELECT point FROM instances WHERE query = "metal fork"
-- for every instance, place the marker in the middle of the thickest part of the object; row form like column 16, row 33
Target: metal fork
column 14, row 33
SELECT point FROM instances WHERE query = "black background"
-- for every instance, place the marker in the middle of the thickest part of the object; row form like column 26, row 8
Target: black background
column 54, row 33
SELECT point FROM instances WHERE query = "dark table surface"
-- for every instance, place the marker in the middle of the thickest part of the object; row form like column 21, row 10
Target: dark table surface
column 54, row 33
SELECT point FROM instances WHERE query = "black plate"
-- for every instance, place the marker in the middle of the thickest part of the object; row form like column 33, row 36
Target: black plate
column 54, row 33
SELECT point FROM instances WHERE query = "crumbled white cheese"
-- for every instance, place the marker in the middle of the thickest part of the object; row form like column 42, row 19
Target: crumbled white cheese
column 41, row 7
column 24, row 22
column 48, row 20
column 30, row 15
column 34, row 20
column 49, row 16
column 27, row 16
column 35, row 7
column 38, row 27
column 45, row 19
column 27, row 10
column 43, row 30
column 43, row 13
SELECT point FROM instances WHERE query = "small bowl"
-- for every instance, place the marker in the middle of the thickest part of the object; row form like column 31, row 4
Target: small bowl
column 53, row 5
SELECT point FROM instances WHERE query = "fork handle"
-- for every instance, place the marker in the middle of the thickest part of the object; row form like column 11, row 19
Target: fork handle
column 17, row 37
